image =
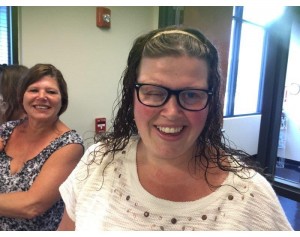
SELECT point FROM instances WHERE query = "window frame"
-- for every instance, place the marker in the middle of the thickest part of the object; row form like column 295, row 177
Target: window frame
column 12, row 34
column 237, row 22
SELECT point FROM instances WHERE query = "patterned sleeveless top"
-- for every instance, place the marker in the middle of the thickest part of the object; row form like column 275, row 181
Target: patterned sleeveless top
column 22, row 181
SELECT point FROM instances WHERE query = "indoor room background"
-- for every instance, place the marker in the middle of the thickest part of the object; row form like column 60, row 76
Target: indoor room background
column 92, row 59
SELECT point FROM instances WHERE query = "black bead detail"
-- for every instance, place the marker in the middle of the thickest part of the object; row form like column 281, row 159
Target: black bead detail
column 146, row 214
column 173, row 221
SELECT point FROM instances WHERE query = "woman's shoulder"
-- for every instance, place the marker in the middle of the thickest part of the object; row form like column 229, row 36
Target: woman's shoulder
column 97, row 153
column 261, row 183
column 11, row 124
column 73, row 136
column 66, row 138
column 67, row 134
column 8, row 127
column 255, row 183
column 66, row 131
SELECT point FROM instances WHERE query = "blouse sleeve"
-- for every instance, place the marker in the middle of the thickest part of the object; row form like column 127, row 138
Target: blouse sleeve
column 7, row 128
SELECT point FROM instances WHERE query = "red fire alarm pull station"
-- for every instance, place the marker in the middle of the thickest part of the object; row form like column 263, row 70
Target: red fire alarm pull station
column 100, row 125
column 103, row 17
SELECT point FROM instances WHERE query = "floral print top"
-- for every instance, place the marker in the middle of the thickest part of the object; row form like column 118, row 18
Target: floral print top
column 22, row 180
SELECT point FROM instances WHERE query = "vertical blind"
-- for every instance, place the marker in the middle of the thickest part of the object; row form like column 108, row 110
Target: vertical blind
column 4, row 35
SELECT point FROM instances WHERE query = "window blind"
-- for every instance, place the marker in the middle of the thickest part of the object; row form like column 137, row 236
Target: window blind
column 4, row 35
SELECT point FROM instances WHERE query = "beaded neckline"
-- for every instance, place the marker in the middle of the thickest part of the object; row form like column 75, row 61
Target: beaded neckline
column 164, row 221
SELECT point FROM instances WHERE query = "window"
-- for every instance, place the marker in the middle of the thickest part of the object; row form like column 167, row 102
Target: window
column 8, row 35
column 246, row 62
column 4, row 36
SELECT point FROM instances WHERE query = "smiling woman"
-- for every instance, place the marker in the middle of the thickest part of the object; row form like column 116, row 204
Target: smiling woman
column 39, row 153
column 165, row 165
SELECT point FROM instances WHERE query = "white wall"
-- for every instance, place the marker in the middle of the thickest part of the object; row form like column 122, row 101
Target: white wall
column 91, row 59
column 243, row 132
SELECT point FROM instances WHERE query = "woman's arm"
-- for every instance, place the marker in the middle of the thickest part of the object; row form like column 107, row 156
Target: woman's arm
column 66, row 223
column 44, row 191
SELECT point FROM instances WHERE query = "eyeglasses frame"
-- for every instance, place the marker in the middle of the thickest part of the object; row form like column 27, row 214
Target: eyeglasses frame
column 170, row 93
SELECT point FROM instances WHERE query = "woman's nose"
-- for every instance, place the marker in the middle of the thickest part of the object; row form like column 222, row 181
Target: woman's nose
column 42, row 95
column 171, row 107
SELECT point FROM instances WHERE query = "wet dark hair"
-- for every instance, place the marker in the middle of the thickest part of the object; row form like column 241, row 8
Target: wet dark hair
column 10, row 79
column 36, row 73
column 212, row 146
column 174, row 44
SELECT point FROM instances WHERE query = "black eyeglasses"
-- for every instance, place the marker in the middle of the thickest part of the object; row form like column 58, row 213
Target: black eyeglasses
column 188, row 99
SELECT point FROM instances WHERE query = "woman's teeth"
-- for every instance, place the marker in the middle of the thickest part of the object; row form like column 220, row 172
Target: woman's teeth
column 169, row 130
